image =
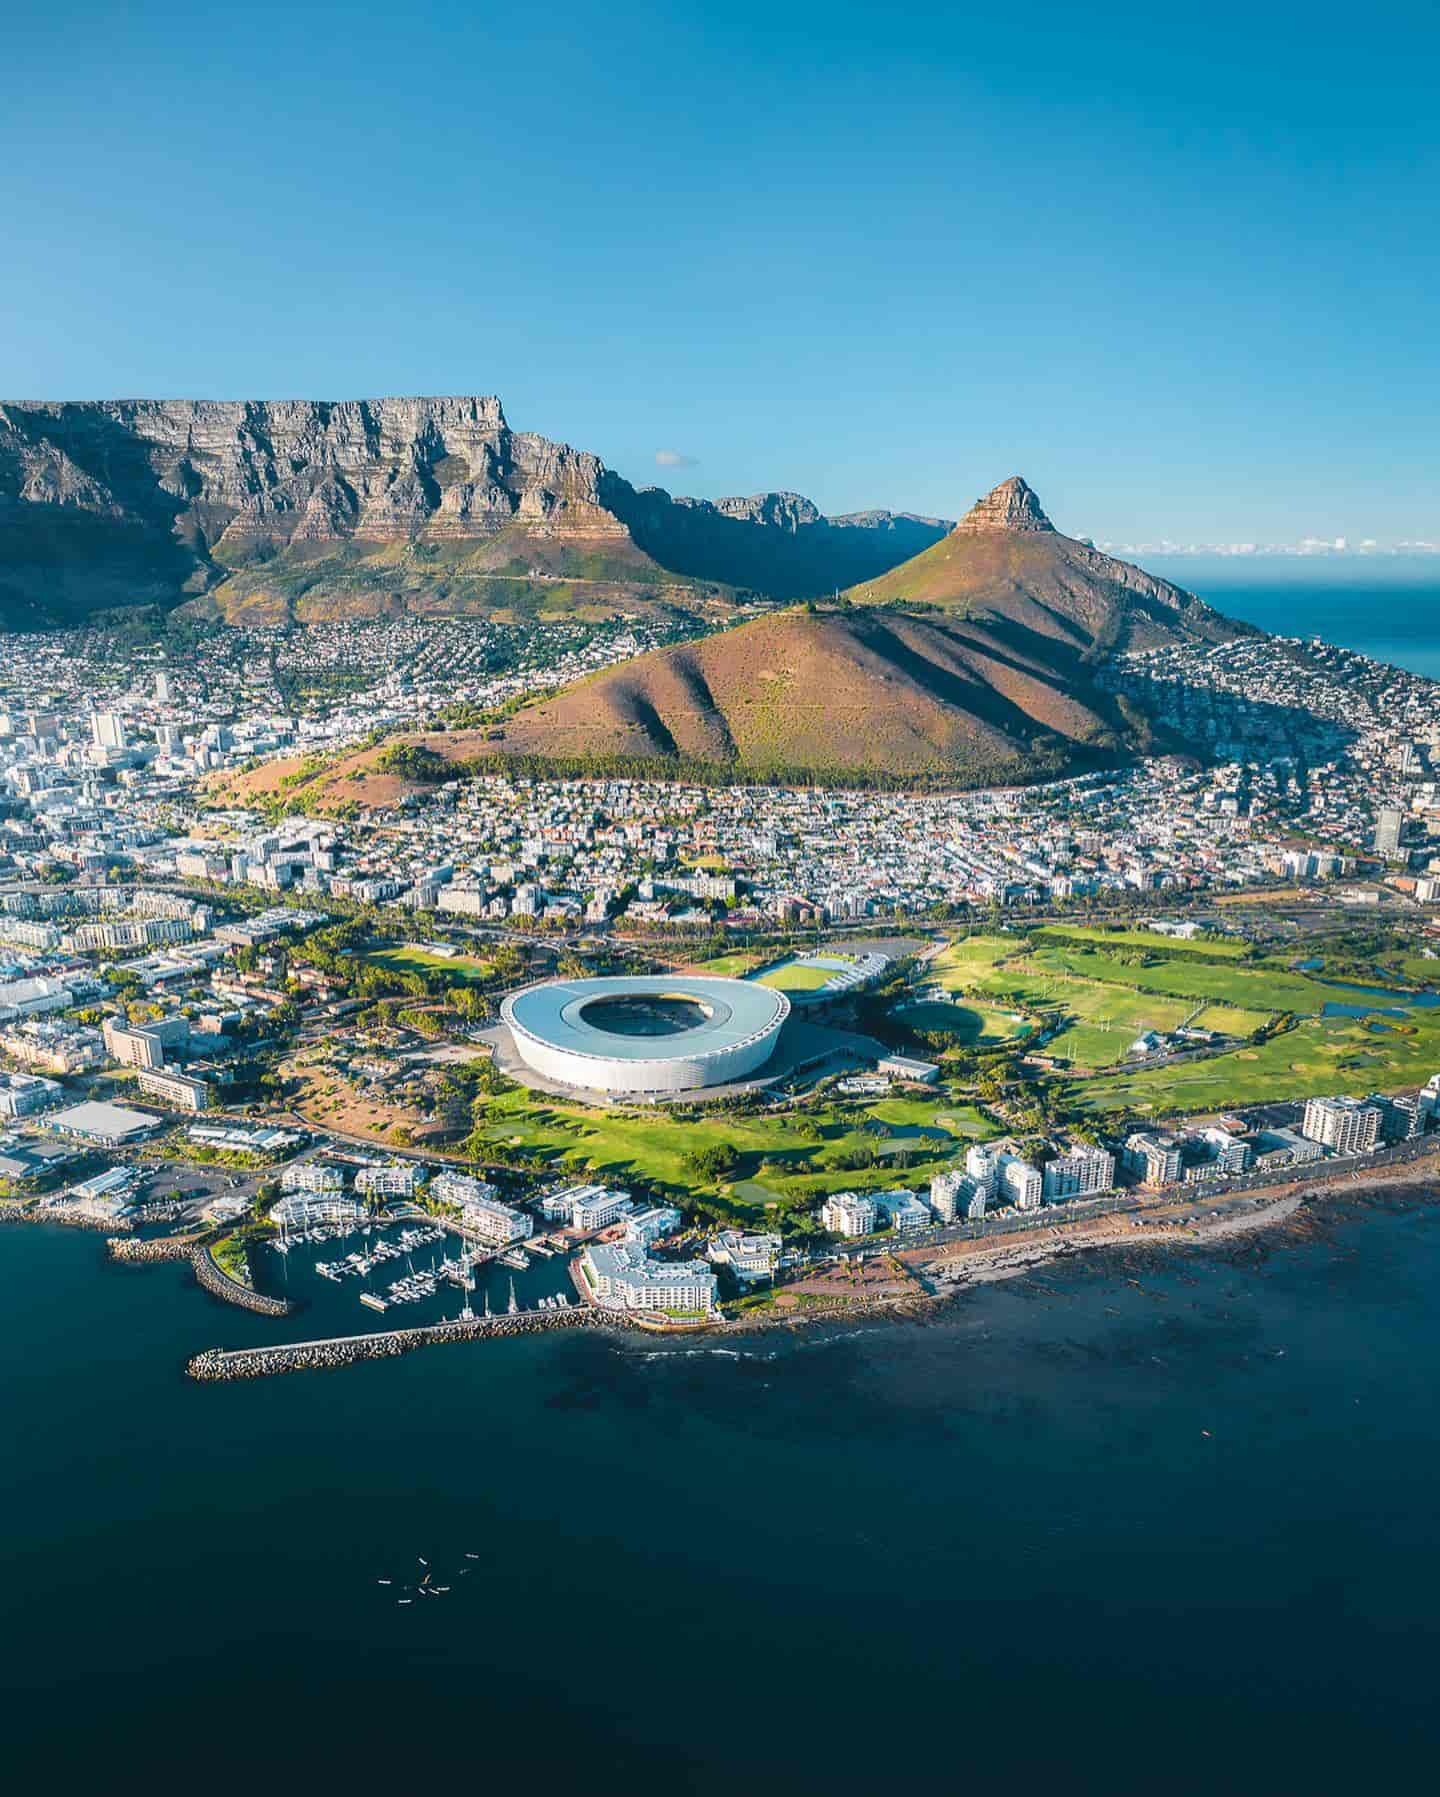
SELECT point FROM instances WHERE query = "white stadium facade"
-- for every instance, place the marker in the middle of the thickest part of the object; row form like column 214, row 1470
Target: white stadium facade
column 651, row 1034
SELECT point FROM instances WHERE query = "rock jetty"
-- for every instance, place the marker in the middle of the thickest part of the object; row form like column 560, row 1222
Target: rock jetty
column 297, row 1357
column 230, row 1291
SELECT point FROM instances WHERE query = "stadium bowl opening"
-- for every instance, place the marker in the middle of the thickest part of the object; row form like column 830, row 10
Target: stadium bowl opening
column 646, row 1035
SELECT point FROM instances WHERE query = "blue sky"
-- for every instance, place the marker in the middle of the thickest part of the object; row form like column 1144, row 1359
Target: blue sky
column 1177, row 266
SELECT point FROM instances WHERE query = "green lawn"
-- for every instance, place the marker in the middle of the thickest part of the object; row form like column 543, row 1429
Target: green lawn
column 404, row 957
column 969, row 1024
column 1319, row 1056
column 795, row 976
column 1106, row 1003
column 797, row 1152
column 961, row 966
column 1229, row 946
column 1249, row 989
column 734, row 966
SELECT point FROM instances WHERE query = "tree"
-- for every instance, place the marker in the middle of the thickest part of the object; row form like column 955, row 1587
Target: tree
column 712, row 1160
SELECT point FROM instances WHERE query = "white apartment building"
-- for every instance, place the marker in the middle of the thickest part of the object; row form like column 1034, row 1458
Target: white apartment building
column 307, row 1210
column 22, row 1094
column 461, row 1188
column 949, row 1192
column 1021, row 1183
column 849, row 1214
column 751, row 1257
column 1154, row 1160
column 179, row 1090
column 401, row 1179
column 904, row 1210
column 982, row 1163
column 1232, row 1154
column 314, row 1177
column 588, row 1207
column 494, row 1223
column 1078, row 1173
column 1345, row 1125
column 623, row 1277
column 646, row 1226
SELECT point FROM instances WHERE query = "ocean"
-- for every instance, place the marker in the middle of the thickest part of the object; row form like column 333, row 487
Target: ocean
column 1153, row 1521
column 1390, row 611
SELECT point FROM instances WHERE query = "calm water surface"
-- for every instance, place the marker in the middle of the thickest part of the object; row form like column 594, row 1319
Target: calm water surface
column 1172, row 1535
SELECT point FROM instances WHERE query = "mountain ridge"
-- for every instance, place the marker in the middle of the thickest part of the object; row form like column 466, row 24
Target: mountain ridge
column 311, row 508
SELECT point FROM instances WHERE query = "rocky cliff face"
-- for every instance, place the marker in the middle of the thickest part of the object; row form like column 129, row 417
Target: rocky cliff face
column 1010, row 506
column 123, row 501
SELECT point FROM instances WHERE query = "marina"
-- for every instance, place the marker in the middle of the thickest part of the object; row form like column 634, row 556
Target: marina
column 383, row 1268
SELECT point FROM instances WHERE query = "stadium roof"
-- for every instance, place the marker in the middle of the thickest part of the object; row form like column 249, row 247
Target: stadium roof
column 738, row 1012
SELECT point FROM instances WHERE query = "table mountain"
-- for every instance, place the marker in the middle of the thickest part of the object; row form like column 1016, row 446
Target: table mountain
column 267, row 510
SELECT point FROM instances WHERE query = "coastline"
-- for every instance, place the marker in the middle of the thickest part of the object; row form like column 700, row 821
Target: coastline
column 949, row 1275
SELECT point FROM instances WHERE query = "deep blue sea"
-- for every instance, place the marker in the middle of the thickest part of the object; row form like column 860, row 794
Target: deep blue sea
column 1388, row 609
column 1150, row 1523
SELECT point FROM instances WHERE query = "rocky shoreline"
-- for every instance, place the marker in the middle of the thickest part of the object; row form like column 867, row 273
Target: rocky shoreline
column 11, row 1212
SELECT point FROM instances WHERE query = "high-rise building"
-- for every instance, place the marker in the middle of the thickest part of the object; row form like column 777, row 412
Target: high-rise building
column 1344, row 1124
column 108, row 730
column 948, row 1192
column 1388, row 826
column 1154, row 1159
column 1078, row 1173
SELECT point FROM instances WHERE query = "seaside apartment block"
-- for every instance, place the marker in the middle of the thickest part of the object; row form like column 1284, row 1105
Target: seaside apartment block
column 1345, row 1125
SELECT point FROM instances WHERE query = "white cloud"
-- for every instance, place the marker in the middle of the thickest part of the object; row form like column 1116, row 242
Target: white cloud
column 1322, row 546
column 674, row 458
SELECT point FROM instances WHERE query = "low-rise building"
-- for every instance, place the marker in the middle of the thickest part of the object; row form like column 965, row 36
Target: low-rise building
column 900, row 1066
column 22, row 1094
column 849, row 1214
column 104, row 1125
column 651, row 1224
column 315, row 1177
column 311, row 1209
column 751, row 1257
column 181, row 1091
column 398, row 1179
column 904, row 1210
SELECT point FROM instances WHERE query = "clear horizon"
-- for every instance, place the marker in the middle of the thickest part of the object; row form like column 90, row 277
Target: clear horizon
column 1182, row 281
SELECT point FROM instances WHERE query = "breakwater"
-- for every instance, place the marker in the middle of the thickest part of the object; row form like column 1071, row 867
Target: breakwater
column 230, row 1291
column 131, row 1251
column 346, row 1350
column 64, row 1215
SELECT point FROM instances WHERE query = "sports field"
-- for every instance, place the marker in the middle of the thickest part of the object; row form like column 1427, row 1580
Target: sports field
column 798, row 976
column 405, row 957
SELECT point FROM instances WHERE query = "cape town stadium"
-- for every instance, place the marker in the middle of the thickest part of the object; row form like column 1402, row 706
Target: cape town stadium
column 657, row 1033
